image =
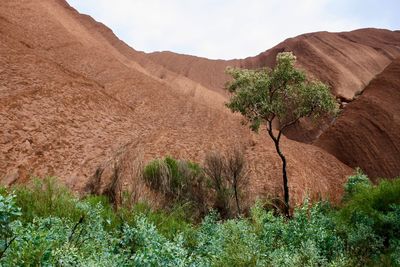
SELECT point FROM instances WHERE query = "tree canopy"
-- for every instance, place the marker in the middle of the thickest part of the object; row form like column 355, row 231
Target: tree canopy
column 282, row 93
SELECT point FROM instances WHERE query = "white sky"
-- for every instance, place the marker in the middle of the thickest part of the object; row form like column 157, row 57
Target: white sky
column 232, row 28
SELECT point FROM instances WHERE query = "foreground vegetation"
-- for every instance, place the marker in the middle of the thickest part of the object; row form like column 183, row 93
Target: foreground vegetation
column 46, row 225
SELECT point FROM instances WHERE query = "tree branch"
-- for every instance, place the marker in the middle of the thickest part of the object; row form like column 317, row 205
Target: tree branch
column 297, row 119
column 8, row 244
column 271, row 93
column 289, row 124
column 75, row 227
column 269, row 122
column 270, row 132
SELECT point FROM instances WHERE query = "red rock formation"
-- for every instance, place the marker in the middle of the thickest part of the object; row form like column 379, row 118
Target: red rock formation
column 366, row 134
column 347, row 61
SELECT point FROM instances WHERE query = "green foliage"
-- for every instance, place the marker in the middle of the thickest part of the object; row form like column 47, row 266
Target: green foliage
column 153, row 249
column 355, row 183
column 168, row 223
column 370, row 217
column 8, row 214
column 171, row 176
column 179, row 180
column 373, row 202
column 52, row 241
column 46, row 198
column 365, row 231
column 282, row 93
column 308, row 239
column 156, row 174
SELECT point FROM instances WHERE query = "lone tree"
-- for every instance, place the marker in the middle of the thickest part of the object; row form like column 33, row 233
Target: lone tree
column 283, row 94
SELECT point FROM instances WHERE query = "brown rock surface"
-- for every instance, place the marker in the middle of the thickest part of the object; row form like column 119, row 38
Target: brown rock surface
column 367, row 134
column 73, row 96
column 347, row 61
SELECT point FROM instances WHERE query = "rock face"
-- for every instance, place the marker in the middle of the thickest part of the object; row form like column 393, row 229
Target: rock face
column 68, row 90
column 347, row 61
column 73, row 97
column 366, row 135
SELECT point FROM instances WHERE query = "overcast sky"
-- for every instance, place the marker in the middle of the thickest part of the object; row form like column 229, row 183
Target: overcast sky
column 232, row 28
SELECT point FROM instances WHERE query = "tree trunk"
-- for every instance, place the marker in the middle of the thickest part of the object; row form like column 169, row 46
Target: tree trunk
column 222, row 205
column 285, row 181
column 284, row 173
column 237, row 200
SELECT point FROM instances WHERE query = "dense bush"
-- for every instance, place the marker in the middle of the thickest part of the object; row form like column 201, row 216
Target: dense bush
column 46, row 197
column 370, row 217
column 363, row 231
column 8, row 214
column 177, row 179
column 355, row 183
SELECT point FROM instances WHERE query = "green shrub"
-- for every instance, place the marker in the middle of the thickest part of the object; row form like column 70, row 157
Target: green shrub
column 112, row 219
column 356, row 182
column 157, row 175
column 181, row 181
column 53, row 241
column 377, row 203
column 168, row 222
column 8, row 214
column 153, row 249
column 308, row 239
column 46, row 198
column 369, row 219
